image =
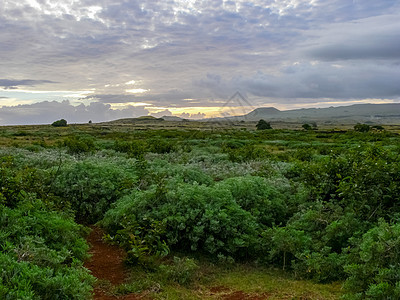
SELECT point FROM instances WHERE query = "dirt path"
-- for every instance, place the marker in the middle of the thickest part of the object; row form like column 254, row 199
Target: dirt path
column 106, row 264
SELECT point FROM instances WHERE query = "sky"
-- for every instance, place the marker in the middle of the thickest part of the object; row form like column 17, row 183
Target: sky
column 102, row 60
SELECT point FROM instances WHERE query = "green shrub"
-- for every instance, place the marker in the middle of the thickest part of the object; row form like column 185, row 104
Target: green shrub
column 374, row 264
column 42, row 254
column 60, row 123
column 91, row 187
column 134, row 148
column 257, row 196
column 246, row 153
column 198, row 218
column 262, row 125
column 312, row 242
column 16, row 181
column 362, row 127
column 182, row 270
column 161, row 146
column 78, row 145
column 143, row 242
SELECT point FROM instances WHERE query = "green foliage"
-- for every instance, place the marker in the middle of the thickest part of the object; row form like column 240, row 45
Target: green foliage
column 17, row 182
column 60, row 123
column 307, row 126
column 262, row 125
column 133, row 148
column 374, row 264
column 182, row 270
column 90, row 187
column 42, row 254
column 197, row 218
column 78, row 145
column 362, row 127
column 161, row 146
column 143, row 242
column 306, row 202
column 245, row 152
column 255, row 195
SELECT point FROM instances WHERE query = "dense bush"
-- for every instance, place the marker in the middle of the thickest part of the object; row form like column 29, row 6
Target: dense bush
column 133, row 148
column 90, row 186
column 246, row 152
column 324, row 205
column 42, row 254
column 255, row 195
column 142, row 241
column 59, row 123
column 198, row 218
column 374, row 264
column 262, row 125
column 362, row 127
column 78, row 145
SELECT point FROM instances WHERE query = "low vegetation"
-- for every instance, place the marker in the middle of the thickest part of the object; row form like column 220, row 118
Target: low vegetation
column 315, row 205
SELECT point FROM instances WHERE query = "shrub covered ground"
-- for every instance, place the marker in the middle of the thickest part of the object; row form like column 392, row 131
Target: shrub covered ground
column 321, row 205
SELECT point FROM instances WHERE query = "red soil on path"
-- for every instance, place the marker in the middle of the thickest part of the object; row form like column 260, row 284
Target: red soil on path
column 107, row 264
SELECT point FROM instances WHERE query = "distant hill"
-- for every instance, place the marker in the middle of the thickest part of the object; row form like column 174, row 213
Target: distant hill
column 172, row 118
column 388, row 114
column 362, row 113
column 143, row 119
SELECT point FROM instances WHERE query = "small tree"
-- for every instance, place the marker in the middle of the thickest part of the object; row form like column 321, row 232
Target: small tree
column 60, row 123
column 306, row 126
column 362, row 127
column 262, row 124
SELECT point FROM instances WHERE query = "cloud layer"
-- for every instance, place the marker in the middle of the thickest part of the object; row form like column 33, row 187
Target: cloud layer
column 48, row 112
column 167, row 54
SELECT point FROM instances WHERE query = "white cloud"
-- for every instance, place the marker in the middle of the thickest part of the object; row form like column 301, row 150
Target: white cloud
column 47, row 112
column 162, row 113
column 136, row 91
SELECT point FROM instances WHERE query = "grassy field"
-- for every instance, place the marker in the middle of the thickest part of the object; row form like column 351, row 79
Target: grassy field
column 202, row 210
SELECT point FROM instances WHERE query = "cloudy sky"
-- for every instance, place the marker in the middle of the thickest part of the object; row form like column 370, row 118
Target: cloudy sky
column 106, row 59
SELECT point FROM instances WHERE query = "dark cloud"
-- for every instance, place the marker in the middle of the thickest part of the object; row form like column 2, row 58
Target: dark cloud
column 373, row 38
column 112, row 98
column 13, row 84
column 47, row 112
column 322, row 80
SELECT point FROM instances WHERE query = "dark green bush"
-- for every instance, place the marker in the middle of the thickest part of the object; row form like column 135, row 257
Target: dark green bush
column 134, row 148
column 197, row 218
column 374, row 264
column 312, row 243
column 42, row 254
column 60, row 123
column 90, row 187
column 262, row 125
column 246, row 153
column 143, row 242
column 362, row 127
column 161, row 146
column 78, row 145
column 256, row 196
